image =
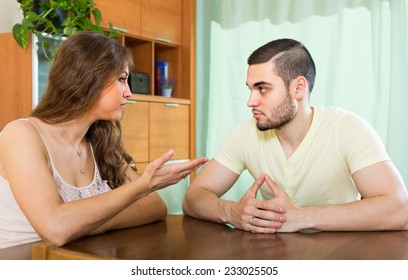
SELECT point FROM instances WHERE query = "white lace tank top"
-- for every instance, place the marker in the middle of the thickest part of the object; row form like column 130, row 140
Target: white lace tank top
column 69, row 192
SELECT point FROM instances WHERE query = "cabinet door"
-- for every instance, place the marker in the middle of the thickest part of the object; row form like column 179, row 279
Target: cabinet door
column 161, row 20
column 124, row 14
column 169, row 129
column 15, row 80
column 135, row 126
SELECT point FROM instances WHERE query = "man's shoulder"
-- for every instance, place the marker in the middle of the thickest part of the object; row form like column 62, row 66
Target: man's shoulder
column 335, row 113
column 340, row 118
column 331, row 110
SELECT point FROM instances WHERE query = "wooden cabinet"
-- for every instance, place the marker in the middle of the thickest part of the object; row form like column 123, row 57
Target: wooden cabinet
column 158, row 30
column 169, row 128
column 154, row 19
column 135, row 126
column 124, row 15
column 152, row 128
column 15, row 80
column 161, row 20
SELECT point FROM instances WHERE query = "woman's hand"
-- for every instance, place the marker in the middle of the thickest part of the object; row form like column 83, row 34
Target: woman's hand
column 158, row 175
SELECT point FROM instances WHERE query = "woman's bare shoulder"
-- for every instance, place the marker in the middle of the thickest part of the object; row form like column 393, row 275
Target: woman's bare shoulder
column 18, row 139
column 18, row 130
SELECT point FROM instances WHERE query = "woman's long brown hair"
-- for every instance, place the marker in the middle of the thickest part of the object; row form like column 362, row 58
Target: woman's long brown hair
column 83, row 66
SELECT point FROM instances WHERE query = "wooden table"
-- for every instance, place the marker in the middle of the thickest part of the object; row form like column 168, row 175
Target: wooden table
column 185, row 238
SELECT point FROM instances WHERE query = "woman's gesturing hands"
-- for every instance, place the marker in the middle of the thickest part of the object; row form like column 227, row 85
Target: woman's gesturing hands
column 159, row 175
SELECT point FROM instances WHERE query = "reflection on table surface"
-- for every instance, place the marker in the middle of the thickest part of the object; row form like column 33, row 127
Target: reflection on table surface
column 184, row 238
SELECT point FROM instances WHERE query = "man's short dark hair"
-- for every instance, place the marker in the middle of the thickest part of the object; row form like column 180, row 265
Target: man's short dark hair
column 291, row 60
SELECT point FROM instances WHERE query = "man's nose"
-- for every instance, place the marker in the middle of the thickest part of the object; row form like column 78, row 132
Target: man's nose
column 253, row 100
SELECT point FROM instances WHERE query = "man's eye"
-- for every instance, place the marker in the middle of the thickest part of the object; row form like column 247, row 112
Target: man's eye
column 262, row 89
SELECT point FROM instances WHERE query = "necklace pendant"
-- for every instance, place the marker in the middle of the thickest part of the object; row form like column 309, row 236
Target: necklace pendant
column 79, row 154
column 82, row 171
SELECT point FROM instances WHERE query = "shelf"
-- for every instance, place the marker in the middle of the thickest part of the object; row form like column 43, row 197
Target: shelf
column 159, row 99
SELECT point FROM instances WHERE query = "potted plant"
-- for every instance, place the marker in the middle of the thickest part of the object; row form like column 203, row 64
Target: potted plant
column 55, row 19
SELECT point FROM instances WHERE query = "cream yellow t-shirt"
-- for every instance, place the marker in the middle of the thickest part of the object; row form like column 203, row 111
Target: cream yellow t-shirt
column 337, row 144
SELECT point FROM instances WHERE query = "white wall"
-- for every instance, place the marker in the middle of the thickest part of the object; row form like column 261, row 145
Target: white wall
column 9, row 15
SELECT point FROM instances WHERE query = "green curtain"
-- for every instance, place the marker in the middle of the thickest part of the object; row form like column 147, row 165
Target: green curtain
column 360, row 48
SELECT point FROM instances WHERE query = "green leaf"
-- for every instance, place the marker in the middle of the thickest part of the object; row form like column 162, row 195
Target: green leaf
column 97, row 15
column 113, row 32
column 70, row 30
column 63, row 5
column 67, row 21
column 50, row 28
column 97, row 29
column 20, row 34
column 26, row 5
column 32, row 17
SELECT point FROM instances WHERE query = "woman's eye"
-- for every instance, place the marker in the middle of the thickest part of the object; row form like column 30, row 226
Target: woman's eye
column 123, row 79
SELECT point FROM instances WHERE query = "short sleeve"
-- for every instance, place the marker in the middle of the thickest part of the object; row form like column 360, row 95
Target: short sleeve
column 233, row 146
column 359, row 143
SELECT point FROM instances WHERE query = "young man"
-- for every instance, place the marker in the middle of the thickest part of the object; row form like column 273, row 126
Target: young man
column 311, row 164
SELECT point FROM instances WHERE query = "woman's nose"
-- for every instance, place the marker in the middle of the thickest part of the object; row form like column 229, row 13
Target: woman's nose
column 127, row 93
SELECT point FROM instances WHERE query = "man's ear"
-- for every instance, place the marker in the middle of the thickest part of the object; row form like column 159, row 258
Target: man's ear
column 300, row 87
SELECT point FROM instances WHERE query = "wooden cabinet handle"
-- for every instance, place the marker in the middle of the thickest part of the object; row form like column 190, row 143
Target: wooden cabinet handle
column 163, row 40
column 171, row 104
column 120, row 29
column 131, row 101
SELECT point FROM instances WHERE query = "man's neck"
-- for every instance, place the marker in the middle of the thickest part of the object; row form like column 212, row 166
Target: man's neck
column 293, row 134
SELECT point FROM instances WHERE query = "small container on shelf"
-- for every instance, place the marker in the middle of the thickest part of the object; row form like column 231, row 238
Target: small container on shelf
column 166, row 87
column 161, row 76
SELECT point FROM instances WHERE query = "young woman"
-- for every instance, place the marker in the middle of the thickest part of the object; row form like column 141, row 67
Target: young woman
column 63, row 171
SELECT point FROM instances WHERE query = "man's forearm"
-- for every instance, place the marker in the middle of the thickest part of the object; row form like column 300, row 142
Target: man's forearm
column 376, row 213
column 202, row 204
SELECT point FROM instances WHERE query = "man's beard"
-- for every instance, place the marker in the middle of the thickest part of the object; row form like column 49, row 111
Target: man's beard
column 282, row 115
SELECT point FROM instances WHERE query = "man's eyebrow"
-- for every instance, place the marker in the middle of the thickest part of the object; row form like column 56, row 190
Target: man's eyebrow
column 260, row 83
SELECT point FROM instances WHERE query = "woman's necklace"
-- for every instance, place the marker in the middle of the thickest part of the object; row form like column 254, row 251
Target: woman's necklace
column 79, row 153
